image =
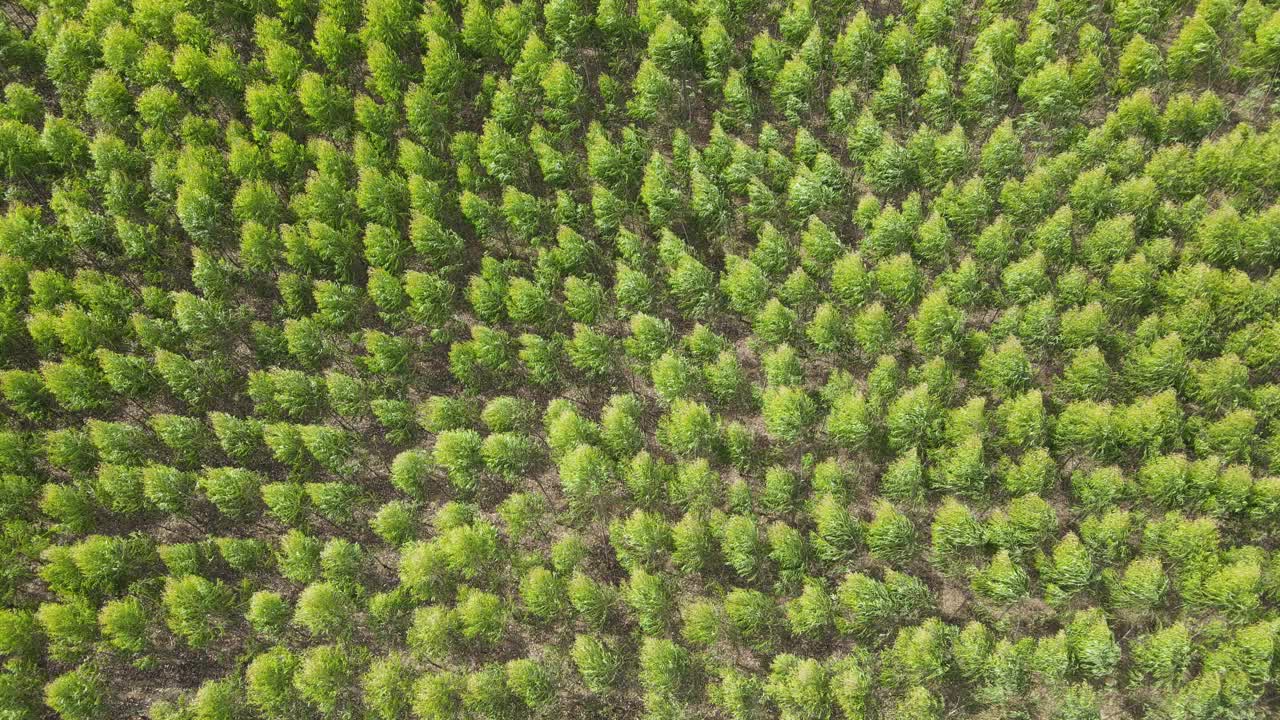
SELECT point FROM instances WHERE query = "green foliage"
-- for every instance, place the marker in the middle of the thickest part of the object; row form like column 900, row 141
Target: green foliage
column 891, row 535
column 788, row 412
column 268, row 613
column 481, row 616
column 597, row 662
column 269, row 682
column 124, row 624
column 71, row 628
column 460, row 453
column 322, row 609
column 1002, row 582
column 754, row 617
column 197, row 608
column 616, row 358
column 1091, row 644
column 77, row 695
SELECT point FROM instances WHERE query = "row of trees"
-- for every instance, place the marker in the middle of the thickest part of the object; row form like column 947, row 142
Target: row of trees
column 332, row 680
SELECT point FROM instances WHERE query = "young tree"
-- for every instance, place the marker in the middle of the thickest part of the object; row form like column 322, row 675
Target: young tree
column 597, row 663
